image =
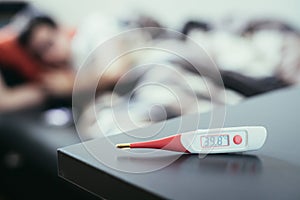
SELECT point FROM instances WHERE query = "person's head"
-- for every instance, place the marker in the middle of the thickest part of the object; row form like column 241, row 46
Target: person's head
column 43, row 38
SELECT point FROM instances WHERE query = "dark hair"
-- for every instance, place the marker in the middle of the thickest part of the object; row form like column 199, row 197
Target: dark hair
column 25, row 35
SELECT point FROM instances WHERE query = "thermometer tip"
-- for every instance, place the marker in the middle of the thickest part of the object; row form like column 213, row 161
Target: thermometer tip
column 123, row 146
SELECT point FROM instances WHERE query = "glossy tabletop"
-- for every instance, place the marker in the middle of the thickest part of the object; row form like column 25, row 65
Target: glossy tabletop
column 273, row 172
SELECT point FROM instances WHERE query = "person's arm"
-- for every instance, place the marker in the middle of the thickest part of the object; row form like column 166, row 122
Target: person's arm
column 60, row 82
column 20, row 97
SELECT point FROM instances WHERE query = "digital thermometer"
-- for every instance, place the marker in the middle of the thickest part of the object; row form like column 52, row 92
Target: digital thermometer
column 204, row 141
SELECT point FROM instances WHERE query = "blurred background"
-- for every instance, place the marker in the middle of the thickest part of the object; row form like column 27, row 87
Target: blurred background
column 250, row 48
column 174, row 14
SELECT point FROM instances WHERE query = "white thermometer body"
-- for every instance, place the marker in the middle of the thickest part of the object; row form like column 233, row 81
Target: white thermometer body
column 225, row 140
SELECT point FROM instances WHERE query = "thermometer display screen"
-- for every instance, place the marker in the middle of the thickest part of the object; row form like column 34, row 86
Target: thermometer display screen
column 214, row 141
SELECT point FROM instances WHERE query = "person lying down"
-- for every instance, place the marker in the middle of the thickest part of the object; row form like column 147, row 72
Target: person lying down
column 37, row 62
column 40, row 57
column 147, row 86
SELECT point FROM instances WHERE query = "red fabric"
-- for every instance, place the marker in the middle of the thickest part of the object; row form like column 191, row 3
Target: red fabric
column 14, row 56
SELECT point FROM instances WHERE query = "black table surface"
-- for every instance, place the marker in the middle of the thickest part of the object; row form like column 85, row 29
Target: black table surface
column 273, row 172
column 29, row 133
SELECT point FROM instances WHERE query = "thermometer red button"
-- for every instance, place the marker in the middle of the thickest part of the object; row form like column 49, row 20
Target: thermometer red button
column 237, row 139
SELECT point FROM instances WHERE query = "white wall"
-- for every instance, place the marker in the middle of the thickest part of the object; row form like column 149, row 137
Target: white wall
column 174, row 12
